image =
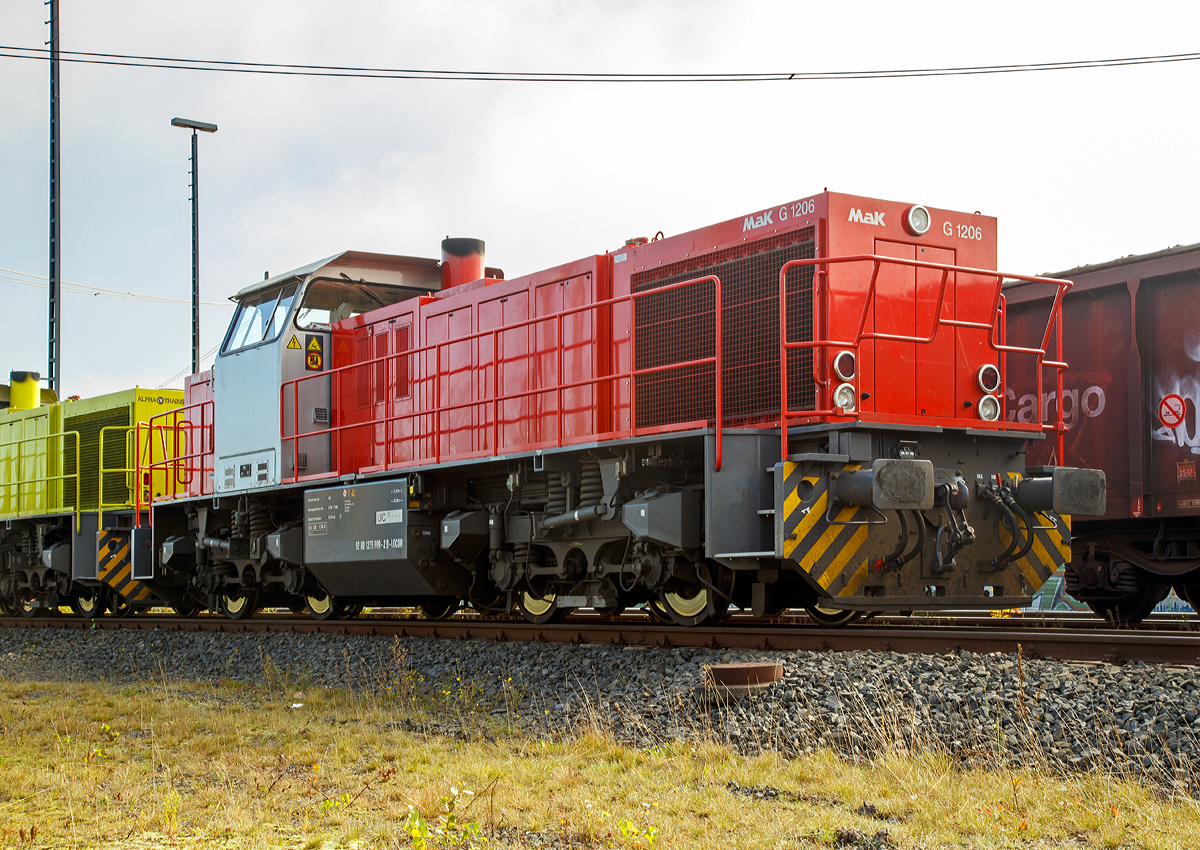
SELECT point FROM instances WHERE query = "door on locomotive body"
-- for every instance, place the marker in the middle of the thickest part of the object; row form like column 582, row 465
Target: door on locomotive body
column 246, row 379
column 359, row 393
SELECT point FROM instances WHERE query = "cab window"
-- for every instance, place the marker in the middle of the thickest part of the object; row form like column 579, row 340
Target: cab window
column 259, row 318
column 328, row 301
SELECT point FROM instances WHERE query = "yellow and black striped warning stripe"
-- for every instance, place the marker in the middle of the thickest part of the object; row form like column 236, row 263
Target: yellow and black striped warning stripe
column 115, row 567
column 1051, row 543
column 823, row 549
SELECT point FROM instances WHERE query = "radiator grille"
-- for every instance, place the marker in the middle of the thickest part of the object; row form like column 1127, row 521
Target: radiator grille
column 116, row 490
column 678, row 326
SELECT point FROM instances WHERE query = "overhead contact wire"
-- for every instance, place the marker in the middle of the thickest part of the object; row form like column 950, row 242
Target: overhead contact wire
column 361, row 72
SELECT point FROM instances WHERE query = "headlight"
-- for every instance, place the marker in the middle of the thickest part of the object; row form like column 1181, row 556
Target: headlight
column 843, row 365
column 916, row 220
column 988, row 378
column 844, row 397
column 989, row 408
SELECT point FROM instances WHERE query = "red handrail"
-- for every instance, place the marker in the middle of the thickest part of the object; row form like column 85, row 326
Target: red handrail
column 1053, row 322
column 197, row 439
column 438, row 409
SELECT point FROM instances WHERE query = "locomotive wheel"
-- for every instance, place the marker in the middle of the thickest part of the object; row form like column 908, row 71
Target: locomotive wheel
column 322, row 607
column 239, row 604
column 541, row 609
column 89, row 607
column 186, row 610
column 831, row 617
column 118, row 607
column 439, row 607
column 691, row 610
column 5, row 607
column 26, row 606
column 775, row 610
column 657, row 612
column 350, row 611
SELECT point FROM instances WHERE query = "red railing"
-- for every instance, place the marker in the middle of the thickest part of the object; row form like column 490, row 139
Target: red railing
column 184, row 446
column 1053, row 324
column 437, row 410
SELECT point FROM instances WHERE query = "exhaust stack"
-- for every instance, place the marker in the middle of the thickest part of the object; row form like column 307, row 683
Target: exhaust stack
column 25, row 390
column 462, row 261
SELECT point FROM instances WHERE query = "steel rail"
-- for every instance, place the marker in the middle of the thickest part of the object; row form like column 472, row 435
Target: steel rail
column 1034, row 640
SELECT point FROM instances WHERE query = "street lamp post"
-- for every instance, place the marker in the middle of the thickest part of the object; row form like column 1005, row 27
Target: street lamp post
column 204, row 128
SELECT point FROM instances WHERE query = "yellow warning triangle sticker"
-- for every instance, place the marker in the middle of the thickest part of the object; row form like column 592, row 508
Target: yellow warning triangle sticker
column 314, row 344
column 295, row 343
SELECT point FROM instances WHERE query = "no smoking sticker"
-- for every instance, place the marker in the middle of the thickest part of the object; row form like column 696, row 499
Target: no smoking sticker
column 314, row 356
column 1170, row 410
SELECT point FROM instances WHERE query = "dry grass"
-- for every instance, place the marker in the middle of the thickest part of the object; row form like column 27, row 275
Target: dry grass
column 228, row 765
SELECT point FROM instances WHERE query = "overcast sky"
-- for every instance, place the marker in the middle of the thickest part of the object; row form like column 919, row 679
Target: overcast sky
column 1078, row 166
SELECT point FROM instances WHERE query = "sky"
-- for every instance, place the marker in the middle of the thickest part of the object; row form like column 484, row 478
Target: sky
column 1079, row 166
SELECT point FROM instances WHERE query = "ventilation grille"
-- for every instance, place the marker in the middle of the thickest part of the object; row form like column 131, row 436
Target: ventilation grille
column 679, row 326
column 116, row 490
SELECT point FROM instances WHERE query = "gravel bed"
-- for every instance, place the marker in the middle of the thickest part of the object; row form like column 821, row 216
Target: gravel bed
column 1139, row 720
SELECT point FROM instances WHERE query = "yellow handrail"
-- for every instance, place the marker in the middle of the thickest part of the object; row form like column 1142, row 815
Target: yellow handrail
column 100, row 503
column 19, row 460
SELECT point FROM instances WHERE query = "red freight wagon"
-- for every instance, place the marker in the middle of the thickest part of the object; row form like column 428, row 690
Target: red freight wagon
column 1129, row 402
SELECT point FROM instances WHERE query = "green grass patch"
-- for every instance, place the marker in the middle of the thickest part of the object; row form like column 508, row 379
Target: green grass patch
column 287, row 765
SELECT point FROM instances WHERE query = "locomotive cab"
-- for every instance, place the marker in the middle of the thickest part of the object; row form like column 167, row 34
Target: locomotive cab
column 281, row 331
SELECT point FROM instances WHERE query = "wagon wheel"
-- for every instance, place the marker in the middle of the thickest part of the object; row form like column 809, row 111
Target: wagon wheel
column 541, row 609
column 1133, row 607
column 89, row 605
column 239, row 604
column 321, row 606
column 827, row 616
column 1187, row 588
column 439, row 607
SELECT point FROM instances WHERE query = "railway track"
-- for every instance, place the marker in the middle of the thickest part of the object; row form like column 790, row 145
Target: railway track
column 1169, row 640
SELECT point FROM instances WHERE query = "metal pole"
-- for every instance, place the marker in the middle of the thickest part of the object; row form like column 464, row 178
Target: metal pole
column 195, row 126
column 53, row 376
column 195, row 257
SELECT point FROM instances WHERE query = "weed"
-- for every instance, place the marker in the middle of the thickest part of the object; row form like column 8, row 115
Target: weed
column 632, row 836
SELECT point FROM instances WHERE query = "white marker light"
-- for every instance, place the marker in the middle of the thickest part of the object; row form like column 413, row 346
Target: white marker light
column 989, row 408
column 916, row 220
column 843, row 365
column 844, row 397
column 988, row 378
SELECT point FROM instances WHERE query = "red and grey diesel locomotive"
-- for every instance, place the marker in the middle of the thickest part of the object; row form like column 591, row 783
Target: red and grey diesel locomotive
column 797, row 408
